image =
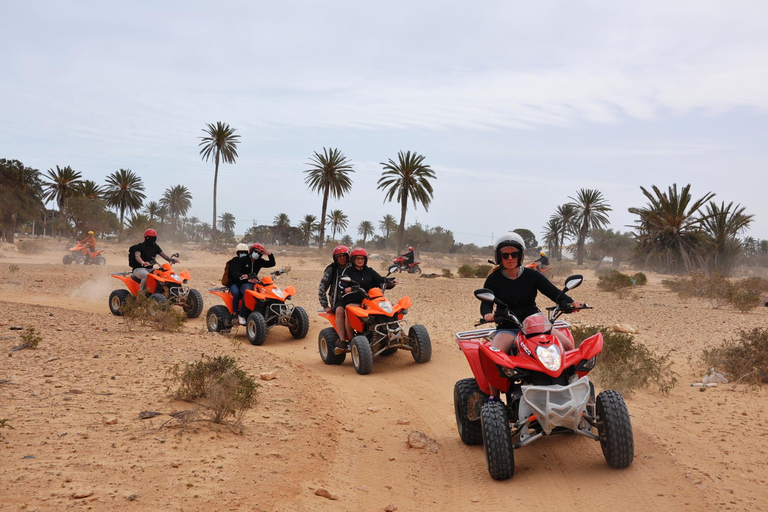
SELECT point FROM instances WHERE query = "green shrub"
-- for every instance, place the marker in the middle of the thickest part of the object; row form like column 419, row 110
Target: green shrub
column 447, row 273
column 30, row 338
column 466, row 271
column 614, row 281
column 640, row 279
column 743, row 300
column 625, row 365
column 483, row 270
column 227, row 390
column 718, row 289
column 745, row 360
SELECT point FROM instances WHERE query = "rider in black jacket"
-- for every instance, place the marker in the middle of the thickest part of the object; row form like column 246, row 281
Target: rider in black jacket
column 329, row 292
column 245, row 272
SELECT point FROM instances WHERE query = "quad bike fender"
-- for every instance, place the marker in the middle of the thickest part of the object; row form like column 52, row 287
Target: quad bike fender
column 184, row 275
column 251, row 298
column 133, row 286
column 290, row 291
column 404, row 303
column 225, row 295
column 470, row 349
column 591, row 346
column 331, row 317
column 354, row 315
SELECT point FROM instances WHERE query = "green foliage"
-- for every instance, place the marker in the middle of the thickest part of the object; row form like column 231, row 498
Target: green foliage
column 745, row 360
column 640, row 279
column 226, row 388
column 21, row 190
column 625, row 365
column 31, row 338
column 146, row 312
column 447, row 273
column 482, row 270
column 467, row 271
column 529, row 239
column 718, row 289
column 614, row 281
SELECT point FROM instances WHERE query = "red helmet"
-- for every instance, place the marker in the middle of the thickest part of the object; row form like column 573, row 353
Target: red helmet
column 359, row 252
column 150, row 232
column 410, row 248
column 258, row 248
column 340, row 250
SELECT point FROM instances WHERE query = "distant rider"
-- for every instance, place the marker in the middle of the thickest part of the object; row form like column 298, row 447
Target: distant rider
column 543, row 261
column 247, row 270
column 329, row 292
column 143, row 255
column 409, row 257
column 89, row 241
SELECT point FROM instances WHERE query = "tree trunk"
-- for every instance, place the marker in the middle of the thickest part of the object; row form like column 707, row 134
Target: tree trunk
column 322, row 218
column 401, row 229
column 215, row 188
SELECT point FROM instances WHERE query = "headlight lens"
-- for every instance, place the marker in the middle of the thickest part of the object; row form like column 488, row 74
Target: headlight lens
column 549, row 357
column 586, row 365
column 278, row 292
column 386, row 306
column 176, row 277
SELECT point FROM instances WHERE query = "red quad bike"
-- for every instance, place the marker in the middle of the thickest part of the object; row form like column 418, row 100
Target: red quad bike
column 164, row 285
column 270, row 306
column 399, row 265
column 82, row 255
column 546, row 391
column 379, row 329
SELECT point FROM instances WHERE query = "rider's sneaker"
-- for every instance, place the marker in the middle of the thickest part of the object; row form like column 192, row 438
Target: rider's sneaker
column 241, row 320
column 342, row 347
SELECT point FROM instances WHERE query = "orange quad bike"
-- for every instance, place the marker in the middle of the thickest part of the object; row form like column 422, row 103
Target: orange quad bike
column 164, row 286
column 549, row 271
column 269, row 305
column 379, row 329
column 83, row 255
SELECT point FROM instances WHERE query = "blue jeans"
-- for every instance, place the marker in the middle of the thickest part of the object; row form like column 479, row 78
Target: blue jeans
column 238, row 292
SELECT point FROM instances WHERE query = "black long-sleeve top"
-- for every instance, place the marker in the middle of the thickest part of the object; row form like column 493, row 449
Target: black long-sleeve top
column 520, row 294
column 367, row 278
column 248, row 265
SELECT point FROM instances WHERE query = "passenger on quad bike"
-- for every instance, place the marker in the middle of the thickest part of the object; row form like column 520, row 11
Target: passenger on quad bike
column 233, row 278
column 329, row 292
column 245, row 274
column 517, row 288
column 141, row 256
column 367, row 278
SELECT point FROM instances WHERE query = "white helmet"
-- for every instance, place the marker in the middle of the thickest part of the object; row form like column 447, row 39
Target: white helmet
column 241, row 248
column 510, row 239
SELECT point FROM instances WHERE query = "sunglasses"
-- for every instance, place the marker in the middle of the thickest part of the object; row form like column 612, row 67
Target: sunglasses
column 506, row 255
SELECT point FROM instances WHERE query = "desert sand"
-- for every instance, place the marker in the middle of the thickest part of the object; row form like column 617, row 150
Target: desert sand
column 73, row 438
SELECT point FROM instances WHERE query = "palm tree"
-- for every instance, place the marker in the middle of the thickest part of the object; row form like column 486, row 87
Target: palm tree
column 591, row 213
column 177, row 200
column 138, row 223
column 387, row 225
column 124, row 192
column 152, row 209
column 365, row 229
column 227, row 222
column 221, row 143
column 552, row 237
column 90, row 190
column 308, row 226
column 338, row 221
column 564, row 218
column 723, row 224
column 60, row 185
column 329, row 176
column 282, row 224
column 669, row 230
column 407, row 179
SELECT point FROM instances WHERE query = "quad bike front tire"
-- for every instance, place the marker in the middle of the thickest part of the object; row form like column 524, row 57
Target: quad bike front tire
column 194, row 304
column 66, row 259
column 615, row 429
column 422, row 345
column 362, row 356
column 100, row 260
column 80, row 260
column 497, row 440
column 256, row 328
column 299, row 324
column 470, row 431
column 216, row 318
column 117, row 301
column 327, row 342
column 159, row 298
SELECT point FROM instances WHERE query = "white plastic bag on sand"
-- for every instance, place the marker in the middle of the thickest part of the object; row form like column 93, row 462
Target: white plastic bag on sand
column 714, row 378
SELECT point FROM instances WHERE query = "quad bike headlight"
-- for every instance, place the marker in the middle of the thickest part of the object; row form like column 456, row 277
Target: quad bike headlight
column 549, row 357
column 586, row 364
column 386, row 306
column 278, row 292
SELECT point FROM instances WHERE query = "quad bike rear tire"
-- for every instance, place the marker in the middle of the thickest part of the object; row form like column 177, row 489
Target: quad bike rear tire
column 299, row 324
column 497, row 440
column 117, row 301
column 100, row 260
column 216, row 318
column 80, row 260
column 470, row 431
column 422, row 345
column 194, row 304
column 362, row 356
column 615, row 429
column 66, row 259
column 416, row 270
column 327, row 342
column 256, row 328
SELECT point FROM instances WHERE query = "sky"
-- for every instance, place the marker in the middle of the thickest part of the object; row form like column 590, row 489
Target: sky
column 516, row 106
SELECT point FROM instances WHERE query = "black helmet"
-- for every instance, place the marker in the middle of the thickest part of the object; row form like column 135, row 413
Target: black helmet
column 510, row 239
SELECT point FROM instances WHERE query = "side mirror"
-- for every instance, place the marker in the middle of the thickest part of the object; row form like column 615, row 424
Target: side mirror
column 392, row 269
column 573, row 281
column 485, row 294
column 345, row 279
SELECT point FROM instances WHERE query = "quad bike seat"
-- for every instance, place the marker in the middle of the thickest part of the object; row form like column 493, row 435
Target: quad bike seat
column 135, row 278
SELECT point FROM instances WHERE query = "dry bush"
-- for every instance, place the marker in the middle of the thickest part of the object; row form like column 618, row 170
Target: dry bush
column 447, row 273
column 745, row 360
column 624, row 365
column 614, row 281
column 226, row 389
column 718, row 289
column 29, row 247
column 144, row 311
column 13, row 268
column 466, row 271
column 564, row 268
column 640, row 279
column 30, row 338
column 483, row 270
